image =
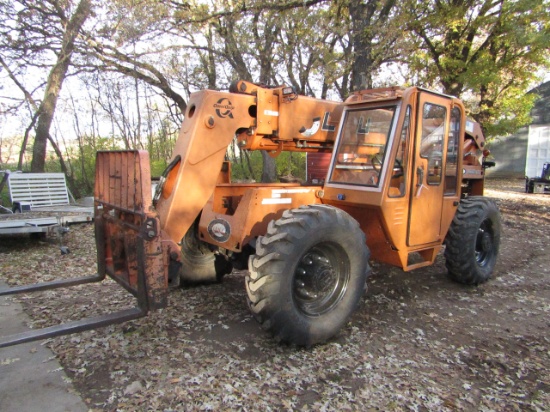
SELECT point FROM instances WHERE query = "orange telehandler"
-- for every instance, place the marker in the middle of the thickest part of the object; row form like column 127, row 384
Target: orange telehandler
column 406, row 177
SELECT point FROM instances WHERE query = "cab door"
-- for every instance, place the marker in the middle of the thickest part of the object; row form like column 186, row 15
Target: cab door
column 430, row 143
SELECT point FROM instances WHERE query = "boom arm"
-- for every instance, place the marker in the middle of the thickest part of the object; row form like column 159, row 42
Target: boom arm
column 262, row 119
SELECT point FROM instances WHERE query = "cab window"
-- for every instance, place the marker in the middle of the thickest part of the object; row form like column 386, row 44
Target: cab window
column 362, row 147
column 451, row 168
column 433, row 132
column 398, row 176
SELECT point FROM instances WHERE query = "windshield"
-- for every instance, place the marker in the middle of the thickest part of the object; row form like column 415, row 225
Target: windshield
column 362, row 146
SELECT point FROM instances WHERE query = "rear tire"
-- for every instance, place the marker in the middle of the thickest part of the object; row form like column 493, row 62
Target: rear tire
column 308, row 274
column 200, row 263
column 473, row 241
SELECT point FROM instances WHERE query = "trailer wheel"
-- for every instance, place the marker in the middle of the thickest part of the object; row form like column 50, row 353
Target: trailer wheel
column 473, row 241
column 199, row 262
column 308, row 274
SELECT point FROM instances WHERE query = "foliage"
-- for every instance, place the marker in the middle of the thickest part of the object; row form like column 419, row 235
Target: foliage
column 291, row 164
column 82, row 160
column 248, row 165
column 134, row 64
column 486, row 49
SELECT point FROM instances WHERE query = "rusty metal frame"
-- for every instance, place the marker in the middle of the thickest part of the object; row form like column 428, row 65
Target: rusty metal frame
column 128, row 236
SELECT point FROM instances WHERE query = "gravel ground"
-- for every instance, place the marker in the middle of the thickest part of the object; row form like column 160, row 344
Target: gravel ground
column 418, row 341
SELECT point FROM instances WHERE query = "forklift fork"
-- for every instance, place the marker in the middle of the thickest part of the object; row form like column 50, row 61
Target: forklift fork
column 69, row 327
column 129, row 246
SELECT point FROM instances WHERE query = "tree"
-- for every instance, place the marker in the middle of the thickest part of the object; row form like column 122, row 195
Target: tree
column 35, row 34
column 38, row 29
column 372, row 42
column 240, row 53
column 149, row 56
column 57, row 75
column 24, row 40
column 490, row 49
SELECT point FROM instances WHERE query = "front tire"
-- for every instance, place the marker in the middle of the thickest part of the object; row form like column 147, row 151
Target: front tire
column 473, row 241
column 201, row 264
column 308, row 274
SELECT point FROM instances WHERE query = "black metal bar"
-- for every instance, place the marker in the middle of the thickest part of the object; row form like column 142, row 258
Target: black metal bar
column 51, row 285
column 121, row 222
column 72, row 327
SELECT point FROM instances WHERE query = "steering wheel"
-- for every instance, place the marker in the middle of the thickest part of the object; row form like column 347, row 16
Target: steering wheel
column 399, row 166
column 377, row 161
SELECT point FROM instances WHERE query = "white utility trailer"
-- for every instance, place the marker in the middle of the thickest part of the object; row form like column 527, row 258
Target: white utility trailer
column 41, row 203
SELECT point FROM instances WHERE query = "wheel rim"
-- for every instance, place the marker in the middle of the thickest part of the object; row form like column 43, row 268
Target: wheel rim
column 484, row 244
column 321, row 279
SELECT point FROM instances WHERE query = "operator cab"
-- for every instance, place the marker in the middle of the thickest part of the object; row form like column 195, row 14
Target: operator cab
column 396, row 169
column 378, row 135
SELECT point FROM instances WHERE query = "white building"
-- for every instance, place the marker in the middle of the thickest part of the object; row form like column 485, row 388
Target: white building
column 525, row 152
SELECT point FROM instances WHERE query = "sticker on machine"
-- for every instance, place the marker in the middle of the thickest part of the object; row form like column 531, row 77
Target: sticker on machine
column 276, row 192
column 313, row 129
column 219, row 230
column 277, row 201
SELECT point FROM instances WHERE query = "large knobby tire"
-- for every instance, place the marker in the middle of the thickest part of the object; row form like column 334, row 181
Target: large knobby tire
column 308, row 274
column 201, row 264
column 473, row 241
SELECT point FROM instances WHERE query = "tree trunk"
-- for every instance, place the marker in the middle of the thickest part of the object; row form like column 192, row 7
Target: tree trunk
column 26, row 141
column 70, row 180
column 57, row 75
column 269, row 169
column 361, row 76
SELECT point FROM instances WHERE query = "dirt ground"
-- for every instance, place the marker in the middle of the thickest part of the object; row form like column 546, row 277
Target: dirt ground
column 419, row 341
